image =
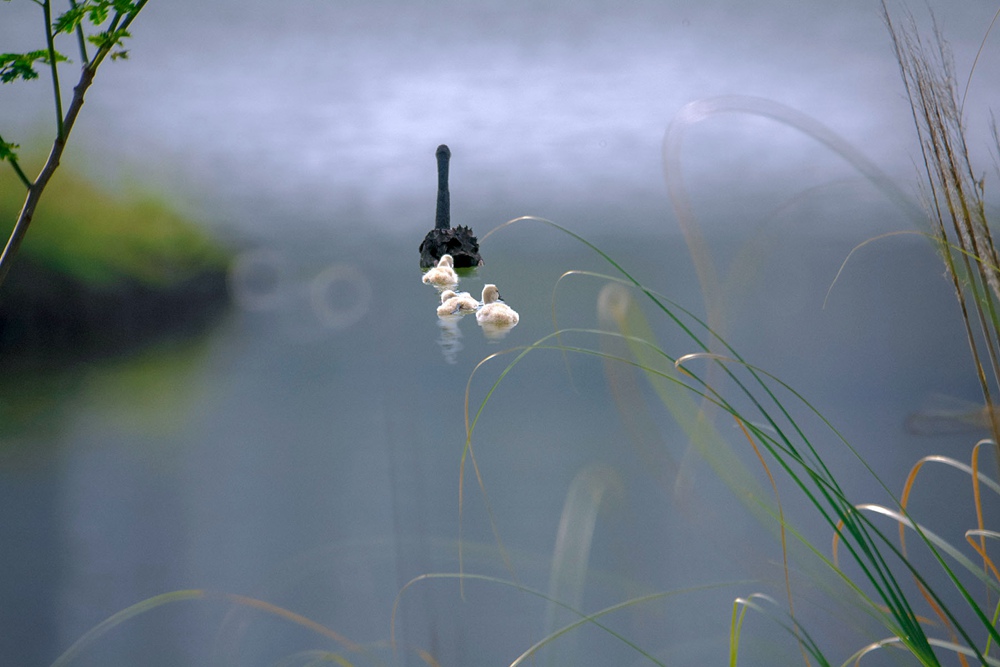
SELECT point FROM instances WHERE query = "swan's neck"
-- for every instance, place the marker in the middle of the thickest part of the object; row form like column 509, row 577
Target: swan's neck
column 443, row 218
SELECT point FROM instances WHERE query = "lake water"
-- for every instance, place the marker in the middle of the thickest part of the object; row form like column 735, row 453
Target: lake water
column 305, row 451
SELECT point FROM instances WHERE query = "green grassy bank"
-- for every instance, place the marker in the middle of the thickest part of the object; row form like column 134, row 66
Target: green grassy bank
column 99, row 273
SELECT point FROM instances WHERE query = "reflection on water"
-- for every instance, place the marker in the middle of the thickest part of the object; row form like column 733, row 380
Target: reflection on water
column 450, row 338
column 494, row 331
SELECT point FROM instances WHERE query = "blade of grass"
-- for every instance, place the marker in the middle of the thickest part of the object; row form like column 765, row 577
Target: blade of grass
column 157, row 601
column 584, row 618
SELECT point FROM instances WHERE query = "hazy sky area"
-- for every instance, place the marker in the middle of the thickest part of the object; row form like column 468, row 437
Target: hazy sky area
column 311, row 107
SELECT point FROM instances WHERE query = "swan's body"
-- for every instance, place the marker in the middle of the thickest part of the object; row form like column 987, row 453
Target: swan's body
column 494, row 311
column 443, row 274
column 460, row 303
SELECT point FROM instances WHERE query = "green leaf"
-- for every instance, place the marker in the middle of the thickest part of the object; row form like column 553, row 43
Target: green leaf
column 15, row 66
column 98, row 13
column 108, row 39
column 70, row 20
column 8, row 151
column 124, row 6
column 95, row 12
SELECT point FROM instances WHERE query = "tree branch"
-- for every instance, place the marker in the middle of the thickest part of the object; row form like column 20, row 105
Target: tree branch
column 116, row 32
column 20, row 173
column 80, row 37
column 7, row 153
column 36, row 188
column 54, row 65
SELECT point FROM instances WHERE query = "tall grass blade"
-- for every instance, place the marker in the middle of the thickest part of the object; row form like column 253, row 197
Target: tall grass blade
column 583, row 618
column 157, row 601
column 570, row 558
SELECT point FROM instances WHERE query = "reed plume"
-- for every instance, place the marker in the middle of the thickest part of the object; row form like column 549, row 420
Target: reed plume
column 954, row 197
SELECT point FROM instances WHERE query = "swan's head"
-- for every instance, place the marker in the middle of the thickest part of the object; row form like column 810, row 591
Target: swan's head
column 447, row 260
column 447, row 294
column 490, row 294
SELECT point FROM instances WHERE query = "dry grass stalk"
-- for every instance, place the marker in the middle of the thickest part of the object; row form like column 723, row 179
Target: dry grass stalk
column 955, row 197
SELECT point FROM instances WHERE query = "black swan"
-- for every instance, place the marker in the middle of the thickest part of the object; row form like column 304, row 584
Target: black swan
column 459, row 242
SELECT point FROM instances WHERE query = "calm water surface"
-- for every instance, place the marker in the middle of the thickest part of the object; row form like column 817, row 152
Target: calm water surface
column 306, row 450
column 317, row 468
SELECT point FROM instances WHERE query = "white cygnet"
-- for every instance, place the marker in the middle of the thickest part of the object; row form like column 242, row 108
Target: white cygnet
column 494, row 311
column 456, row 303
column 442, row 274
